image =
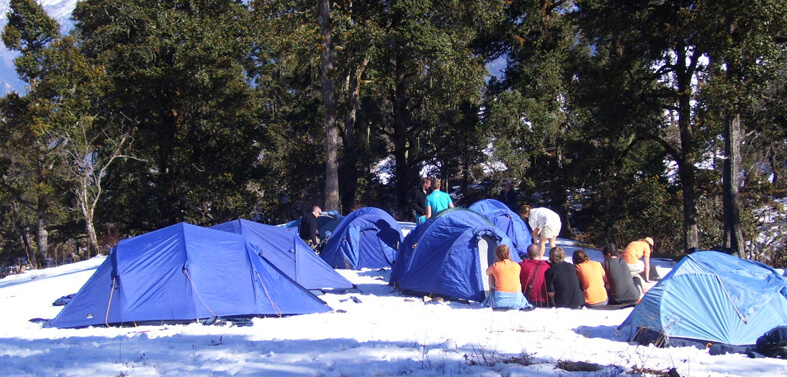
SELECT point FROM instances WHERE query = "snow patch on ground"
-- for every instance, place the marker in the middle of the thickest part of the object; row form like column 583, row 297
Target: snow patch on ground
column 373, row 332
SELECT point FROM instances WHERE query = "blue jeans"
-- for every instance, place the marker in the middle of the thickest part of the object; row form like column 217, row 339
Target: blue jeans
column 506, row 300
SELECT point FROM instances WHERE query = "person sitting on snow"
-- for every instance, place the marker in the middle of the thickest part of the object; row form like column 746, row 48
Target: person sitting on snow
column 504, row 280
column 620, row 285
column 532, row 277
column 592, row 279
column 562, row 283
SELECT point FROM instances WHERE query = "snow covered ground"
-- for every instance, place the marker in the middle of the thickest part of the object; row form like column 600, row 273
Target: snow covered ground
column 374, row 332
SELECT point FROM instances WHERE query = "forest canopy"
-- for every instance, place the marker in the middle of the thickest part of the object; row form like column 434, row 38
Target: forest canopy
column 663, row 118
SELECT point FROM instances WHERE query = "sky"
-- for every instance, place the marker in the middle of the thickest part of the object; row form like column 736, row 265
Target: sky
column 374, row 331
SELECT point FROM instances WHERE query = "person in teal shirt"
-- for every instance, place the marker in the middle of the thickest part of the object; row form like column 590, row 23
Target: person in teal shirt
column 437, row 201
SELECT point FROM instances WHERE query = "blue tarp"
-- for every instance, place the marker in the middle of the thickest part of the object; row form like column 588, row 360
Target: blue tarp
column 507, row 221
column 367, row 238
column 714, row 297
column 442, row 256
column 181, row 273
column 285, row 250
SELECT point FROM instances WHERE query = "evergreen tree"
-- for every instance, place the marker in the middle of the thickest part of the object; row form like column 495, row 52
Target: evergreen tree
column 537, row 130
column 427, row 68
column 178, row 75
column 669, row 39
column 30, row 176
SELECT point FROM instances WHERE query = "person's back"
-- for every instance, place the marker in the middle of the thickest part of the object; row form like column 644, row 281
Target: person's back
column 635, row 250
column 437, row 201
column 506, row 276
column 532, row 278
column 504, row 279
column 592, row 279
column 561, row 281
column 640, row 249
column 621, row 285
column 540, row 217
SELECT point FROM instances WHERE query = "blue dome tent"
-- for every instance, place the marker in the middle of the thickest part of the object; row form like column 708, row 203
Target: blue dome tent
column 507, row 221
column 448, row 256
column 712, row 298
column 183, row 273
column 367, row 238
column 285, row 250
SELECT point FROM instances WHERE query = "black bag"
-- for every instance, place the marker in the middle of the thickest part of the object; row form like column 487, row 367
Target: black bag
column 773, row 343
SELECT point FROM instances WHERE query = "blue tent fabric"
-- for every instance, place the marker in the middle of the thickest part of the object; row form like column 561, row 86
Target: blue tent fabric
column 508, row 221
column 367, row 238
column 286, row 251
column 441, row 257
column 181, row 273
column 487, row 205
column 714, row 297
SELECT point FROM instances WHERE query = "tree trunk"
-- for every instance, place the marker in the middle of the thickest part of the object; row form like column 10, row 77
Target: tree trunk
column 87, row 214
column 92, row 239
column 686, row 160
column 329, row 109
column 42, row 234
column 349, row 173
column 400, row 122
column 42, row 239
column 733, row 233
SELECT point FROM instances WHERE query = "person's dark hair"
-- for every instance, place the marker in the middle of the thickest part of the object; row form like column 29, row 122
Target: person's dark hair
column 579, row 257
column 557, row 255
column 502, row 252
column 611, row 250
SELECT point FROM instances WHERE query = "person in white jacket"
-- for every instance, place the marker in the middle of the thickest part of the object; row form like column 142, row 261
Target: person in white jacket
column 544, row 223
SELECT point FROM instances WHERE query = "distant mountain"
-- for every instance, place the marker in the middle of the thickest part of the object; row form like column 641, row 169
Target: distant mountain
column 60, row 10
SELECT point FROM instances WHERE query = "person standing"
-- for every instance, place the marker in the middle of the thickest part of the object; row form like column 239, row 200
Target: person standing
column 561, row 281
column 620, row 285
column 592, row 279
column 504, row 281
column 532, row 277
column 636, row 250
column 544, row 223
column 508, row 195
column 437, row 201
column 418, row 200
column 308, row 228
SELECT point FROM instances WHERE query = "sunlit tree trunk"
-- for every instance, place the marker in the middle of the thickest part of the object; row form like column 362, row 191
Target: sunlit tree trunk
column 733, row 234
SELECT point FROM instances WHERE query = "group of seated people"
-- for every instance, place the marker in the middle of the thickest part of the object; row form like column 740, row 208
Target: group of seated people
column 535, row 282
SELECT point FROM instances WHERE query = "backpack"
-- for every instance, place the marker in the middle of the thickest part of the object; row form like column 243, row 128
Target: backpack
column 773, row 343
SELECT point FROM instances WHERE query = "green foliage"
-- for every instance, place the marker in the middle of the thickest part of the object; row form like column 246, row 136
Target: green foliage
column 426, row 72
column 178, row 75
column 29, row 30
column 644, row 207
column 31, row 175
column 223, row 102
